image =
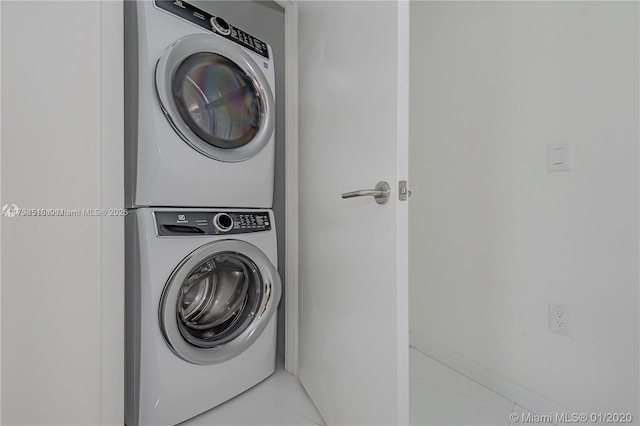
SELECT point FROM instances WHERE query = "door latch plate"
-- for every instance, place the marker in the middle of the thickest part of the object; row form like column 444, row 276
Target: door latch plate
column 403, row 191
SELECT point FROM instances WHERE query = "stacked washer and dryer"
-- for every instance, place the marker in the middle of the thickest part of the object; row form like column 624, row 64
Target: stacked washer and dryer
column 201, row 286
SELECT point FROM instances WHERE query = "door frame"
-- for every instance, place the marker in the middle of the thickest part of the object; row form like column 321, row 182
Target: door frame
column 291, row 273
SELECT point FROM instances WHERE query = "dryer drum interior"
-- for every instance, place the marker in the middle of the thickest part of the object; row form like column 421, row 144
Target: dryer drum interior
column 216, row 97
column 218, row 299
column 217, row 100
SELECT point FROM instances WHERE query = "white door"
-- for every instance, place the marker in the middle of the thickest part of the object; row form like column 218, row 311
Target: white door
column 353, row 93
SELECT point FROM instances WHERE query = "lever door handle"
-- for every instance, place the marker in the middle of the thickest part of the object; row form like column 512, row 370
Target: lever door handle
column 381, row 193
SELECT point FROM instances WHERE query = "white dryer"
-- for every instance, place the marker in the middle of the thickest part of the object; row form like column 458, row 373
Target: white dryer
column 202, row 293
column 199, row 109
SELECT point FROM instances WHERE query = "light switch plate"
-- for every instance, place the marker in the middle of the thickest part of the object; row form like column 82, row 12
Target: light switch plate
column 558, row 157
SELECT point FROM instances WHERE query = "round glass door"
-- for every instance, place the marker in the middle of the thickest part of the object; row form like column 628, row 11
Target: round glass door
column 217, row 100
column 215, row 97
column 218, row 301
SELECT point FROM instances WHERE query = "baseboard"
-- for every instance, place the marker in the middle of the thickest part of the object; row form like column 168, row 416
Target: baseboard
column 520, row 395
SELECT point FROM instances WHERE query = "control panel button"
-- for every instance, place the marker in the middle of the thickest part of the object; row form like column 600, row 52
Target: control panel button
column 223, row 222
column 220, row 25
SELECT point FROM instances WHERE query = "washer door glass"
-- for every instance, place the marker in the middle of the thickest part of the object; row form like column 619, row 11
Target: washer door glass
column 217, row 299
column 217, row 100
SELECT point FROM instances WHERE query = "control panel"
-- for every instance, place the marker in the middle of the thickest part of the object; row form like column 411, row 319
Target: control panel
column 180, row 223
column 214, row 24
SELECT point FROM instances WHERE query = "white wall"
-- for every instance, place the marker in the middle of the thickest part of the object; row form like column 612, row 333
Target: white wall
column 51, row 273
column 494, row 237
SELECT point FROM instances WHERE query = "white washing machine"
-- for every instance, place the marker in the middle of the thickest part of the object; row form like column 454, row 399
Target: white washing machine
column 201, row 299
column 199, row 109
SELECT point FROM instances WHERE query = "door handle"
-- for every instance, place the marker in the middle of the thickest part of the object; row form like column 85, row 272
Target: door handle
column 381, row 193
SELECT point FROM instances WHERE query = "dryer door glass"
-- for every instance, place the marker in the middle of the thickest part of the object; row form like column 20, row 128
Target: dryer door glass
column 217, row 100
column 218, row 299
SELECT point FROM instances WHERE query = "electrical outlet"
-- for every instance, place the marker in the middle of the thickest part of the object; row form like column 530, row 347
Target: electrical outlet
column 560, row 319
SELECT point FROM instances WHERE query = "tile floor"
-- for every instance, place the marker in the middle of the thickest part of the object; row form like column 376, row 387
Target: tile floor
column 439, row 396
column 279, row 400
column 442, row 396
